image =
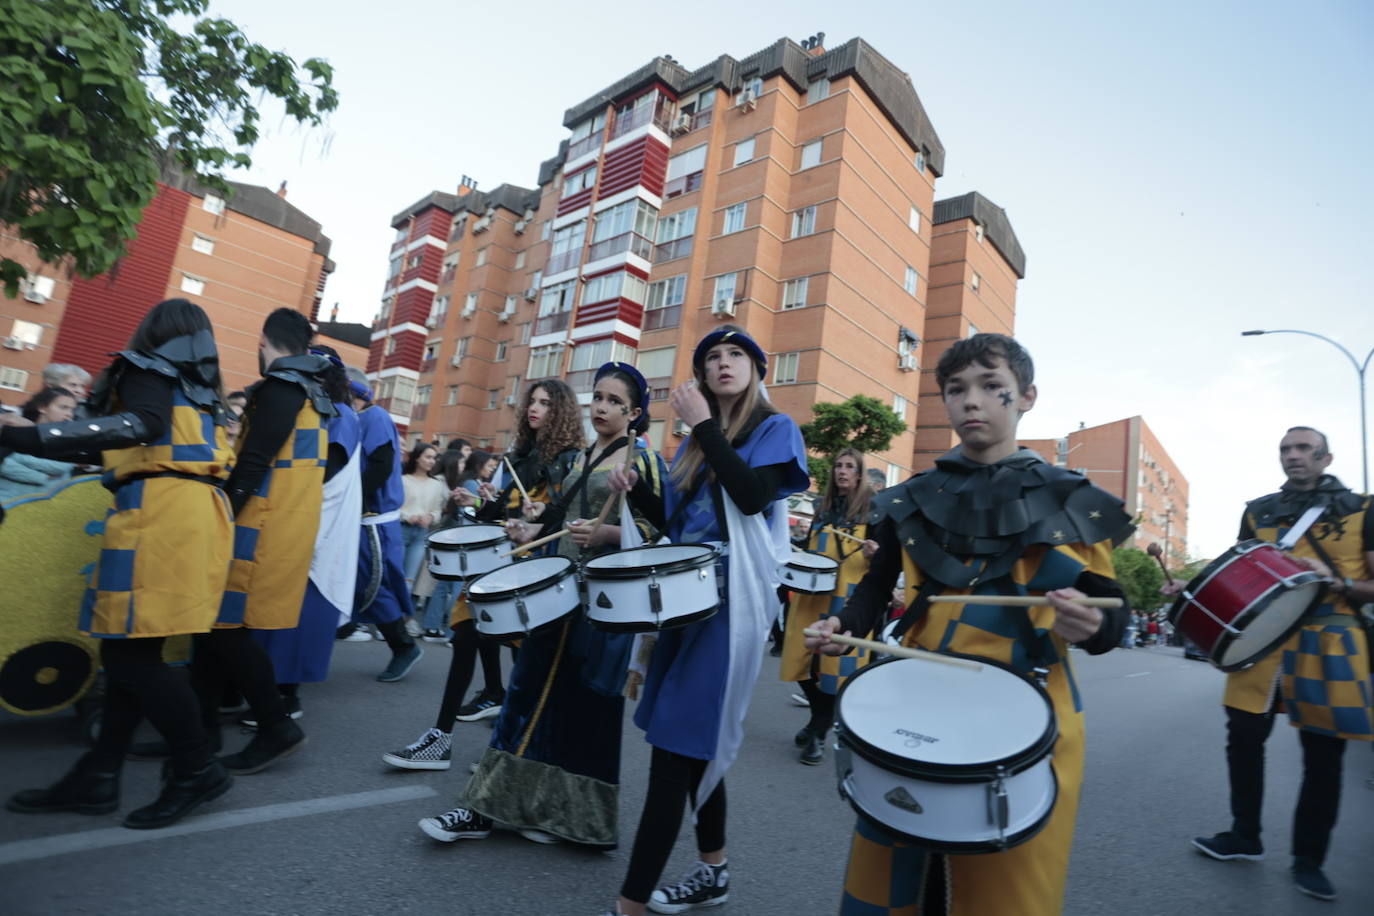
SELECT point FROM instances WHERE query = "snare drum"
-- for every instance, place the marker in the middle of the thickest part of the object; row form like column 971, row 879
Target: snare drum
column 1245, row 603
column 949, row 758
column 523, row 597
column 651, row 588
column 467, row 551
column 811, row 573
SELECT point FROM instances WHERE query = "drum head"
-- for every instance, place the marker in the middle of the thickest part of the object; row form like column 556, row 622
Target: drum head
column 663, row 557
column 467, row 536
column 524, row 574
column 1271, row 621
column 806, row 559
column 944, row 716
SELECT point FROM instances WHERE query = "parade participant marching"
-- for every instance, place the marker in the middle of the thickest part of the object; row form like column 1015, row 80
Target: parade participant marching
column 301, row 654
column 844, row 508
column 382, row 597
column 548, row 440
column 156, row 421
column 989, row 518
column 424, row 501
column 276, row 491
column 552, row 770
column 458, row 473
column 1321, row 672
column 728, row 484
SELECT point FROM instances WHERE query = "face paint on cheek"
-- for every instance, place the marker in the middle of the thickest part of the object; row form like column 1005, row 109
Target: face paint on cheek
column 624, row 411
column 1006, row 397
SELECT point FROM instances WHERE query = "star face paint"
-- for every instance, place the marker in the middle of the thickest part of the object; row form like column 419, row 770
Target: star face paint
column 1006, row 397
column 984, row 408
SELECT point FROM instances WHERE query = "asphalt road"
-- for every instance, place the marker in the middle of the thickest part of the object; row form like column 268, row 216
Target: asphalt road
column 332, row 830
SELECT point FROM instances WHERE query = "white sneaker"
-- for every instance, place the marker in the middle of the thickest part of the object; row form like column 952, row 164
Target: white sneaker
column 799, row 700
column 358, row 635
column 458, row 824
column 539, row 836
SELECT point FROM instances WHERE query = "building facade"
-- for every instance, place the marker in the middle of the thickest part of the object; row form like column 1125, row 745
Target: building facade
column 239, row 256
column 791, row 192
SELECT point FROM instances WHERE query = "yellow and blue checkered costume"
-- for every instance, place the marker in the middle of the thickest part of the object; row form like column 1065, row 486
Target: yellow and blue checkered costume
column 804, row 610
column 166, row 550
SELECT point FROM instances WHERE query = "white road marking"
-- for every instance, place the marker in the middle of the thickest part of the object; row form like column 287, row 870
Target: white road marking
column 1139, row 674
column 64, row 844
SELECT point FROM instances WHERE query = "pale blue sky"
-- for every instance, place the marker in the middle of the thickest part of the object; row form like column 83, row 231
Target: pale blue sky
column 1177, row 172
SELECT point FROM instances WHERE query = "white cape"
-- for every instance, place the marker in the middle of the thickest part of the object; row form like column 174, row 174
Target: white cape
column 334, row 566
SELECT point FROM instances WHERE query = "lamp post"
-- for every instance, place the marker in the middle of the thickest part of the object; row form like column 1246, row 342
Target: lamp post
column 1359, row 371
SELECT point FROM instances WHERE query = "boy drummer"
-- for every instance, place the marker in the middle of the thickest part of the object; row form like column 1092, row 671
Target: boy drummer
column 989, row 518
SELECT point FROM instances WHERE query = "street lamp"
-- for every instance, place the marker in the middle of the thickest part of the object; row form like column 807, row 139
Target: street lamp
column 1359, row 371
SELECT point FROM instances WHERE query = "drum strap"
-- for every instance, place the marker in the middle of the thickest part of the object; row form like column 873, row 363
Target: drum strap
column 1038, row 648
column 1326, row 558
column 919, row 606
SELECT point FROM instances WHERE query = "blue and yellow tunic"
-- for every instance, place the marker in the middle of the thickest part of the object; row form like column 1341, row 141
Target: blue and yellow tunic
column 1322, row 671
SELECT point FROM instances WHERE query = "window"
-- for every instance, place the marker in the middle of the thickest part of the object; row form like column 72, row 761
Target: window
column 514, row 389
column 899, row 406
column 619, row 284
column 657, row 368
column 907, row 342
column 390, row 347
column 686, row 163
column 914, row 220
column 578, row 182
column 894, row 475
column 15, row 379
column 456, row 232
column 920, row 161
column 744, row 151
column 752, row 86
column 734, row 218
column 972, row 329
column 546, row 361
column 557, row 298
column 811, row 154
column 663, row 307
column 910, row 283
column 586, row 135
column 450, row 267
column 481, row 257
column 975, row 281
column 395, row 267
column 27, row 332
column 470, row 305
column 545, row 230
column 785, row 368
column 501, row 351
column 460, row 349
column 525, row 332
column 431, row 351
column 422, row 394
column 492, row 395
column 413, row 261
column 520, row 260
column 631, row 216
column 509, row 310
column 978, row 233
column 677, row 225
column 567, row 247
column 40, row 285
column 213, row 204
column 817, row 90
column 590, row 355
column 439, row 310
column 203, row 244
column 725, row 287
column 794, row 293
column 803, row 222
column 193, row 285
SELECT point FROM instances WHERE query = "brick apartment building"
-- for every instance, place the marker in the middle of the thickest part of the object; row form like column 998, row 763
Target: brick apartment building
column 238, row 256
column 1127, row 459
column 791, row 191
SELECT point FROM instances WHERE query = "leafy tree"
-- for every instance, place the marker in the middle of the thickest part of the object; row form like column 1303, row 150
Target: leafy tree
column 96, row 96
column 862, row 422
column 1140, row 577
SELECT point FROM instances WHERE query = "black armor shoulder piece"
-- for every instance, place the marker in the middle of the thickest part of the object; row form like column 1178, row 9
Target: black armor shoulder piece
column 305, row 370
column 1285, row 506
column 191, row 360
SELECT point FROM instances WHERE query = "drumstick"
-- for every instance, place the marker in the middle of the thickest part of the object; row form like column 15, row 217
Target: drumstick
column 901, row 651
column 523, row 548
column 1154, row 551
column 516, row 477
column 843, row 535
column 1021, row 600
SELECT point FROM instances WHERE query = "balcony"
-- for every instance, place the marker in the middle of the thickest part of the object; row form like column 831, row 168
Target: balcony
column 660, row 113
column 632, row 242
column 564, row 260
column 669, row 316
column 659, row 388
column 547, row 324
column 582, row 381
column 684, row 185
column 585, row 145
column 427, row 365
column 677, row 248
column 418, row 412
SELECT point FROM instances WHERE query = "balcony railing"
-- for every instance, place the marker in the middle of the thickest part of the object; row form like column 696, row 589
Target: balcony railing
column 418, row 412
column 700, row 119
column 667, row 317
column 585, row 145
column 626, row 241
column 547, row 324
column 427, row 364
column 661, row 113
column 677, row 248
column 659, row 388
column 564, row 260
column 683, row 185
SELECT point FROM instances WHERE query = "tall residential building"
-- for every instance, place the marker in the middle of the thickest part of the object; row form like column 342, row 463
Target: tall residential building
column 1125, row 458
column 239, row 256
column 791, row 192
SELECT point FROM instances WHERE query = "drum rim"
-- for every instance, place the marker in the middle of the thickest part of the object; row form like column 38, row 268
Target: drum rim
column 518, row 591
column 708, row 557
column 1225, row 639
column 976, row 846
column 444, row 546
column 1209, row 572
column 833, row 568
column 950, row 772
column 674, row 623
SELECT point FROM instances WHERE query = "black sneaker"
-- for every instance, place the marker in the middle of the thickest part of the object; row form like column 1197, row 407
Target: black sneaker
column 707, row 885
column 293, row 711
column 483, row 706
column 813, row 752
column 401, row 664
column 458, row 824
column 269, row 745
column 434, row 751
column 1308, row 877
column 435, row 636
column 803, row 736
column 1228, row 846
column 85, row 789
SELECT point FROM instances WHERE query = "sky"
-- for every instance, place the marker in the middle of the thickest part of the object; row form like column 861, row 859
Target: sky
column 1176, row 173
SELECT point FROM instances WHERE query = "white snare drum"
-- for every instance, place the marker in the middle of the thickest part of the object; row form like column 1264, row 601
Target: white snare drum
column 467, row 551
column 811, row 573
column 949, row 758
column 523, row 597
column 651, row 588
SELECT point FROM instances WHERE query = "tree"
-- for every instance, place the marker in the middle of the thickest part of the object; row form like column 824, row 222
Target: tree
column 1140, row 577
column 861, row 422
column 97, row 96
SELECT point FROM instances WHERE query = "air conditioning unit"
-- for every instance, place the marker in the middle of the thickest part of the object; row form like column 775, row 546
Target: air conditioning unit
column 682, row 123
column 519, row 226
column 723, row 307
column 907, row 362
column 481, row 225
column 680, row 428
column 34, row 295
column 531, row 294
column 456, row 361
column 432, row 321
column 469, row 310
column 505, row 315
column 747, row 100
column 14, row 343
column 510, row 400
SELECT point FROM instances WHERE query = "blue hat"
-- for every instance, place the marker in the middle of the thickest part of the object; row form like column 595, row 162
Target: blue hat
column 735, row 336
column 641, row 390
column 360, row 390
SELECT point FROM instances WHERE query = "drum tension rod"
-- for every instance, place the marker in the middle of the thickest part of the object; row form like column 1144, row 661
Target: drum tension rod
column 1192, row 599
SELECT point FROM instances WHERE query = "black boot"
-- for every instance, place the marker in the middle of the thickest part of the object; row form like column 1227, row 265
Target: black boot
column 181, row 794
column 269, row 745
column 85, row 789
column 803, row 737
column 813, row 751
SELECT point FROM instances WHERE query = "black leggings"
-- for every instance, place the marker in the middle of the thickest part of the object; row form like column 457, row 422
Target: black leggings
column 138, row 684
column 822, row 707
column 673, row 779
column 233, row 658
column 467, row 647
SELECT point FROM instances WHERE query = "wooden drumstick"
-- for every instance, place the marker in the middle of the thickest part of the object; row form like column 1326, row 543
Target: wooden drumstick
column 616, row 498
column 1155, row 551
column 901, row 651
column 516, row 477
column 1020, row 600
column 525, row 548
column 843, row 535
